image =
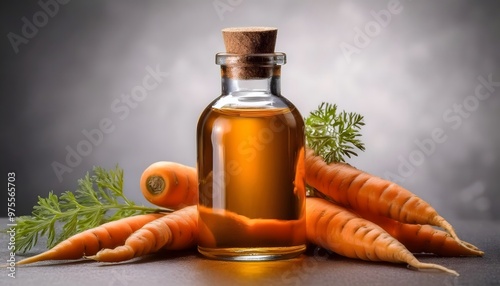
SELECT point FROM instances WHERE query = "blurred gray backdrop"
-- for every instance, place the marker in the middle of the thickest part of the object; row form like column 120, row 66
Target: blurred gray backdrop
column 123, row 82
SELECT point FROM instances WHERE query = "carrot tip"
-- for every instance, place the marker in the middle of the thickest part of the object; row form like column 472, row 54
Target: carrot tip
column 33, row 259
column 471, row 246
column 431, row 266
column 91, row 257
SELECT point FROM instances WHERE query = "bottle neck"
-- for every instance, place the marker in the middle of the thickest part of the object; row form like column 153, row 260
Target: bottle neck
column 235, row 86
column 251, row 74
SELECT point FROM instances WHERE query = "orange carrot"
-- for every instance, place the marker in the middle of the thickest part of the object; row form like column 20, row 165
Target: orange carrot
column 170, row 185
column 344, row 232
column 174, row 231
column 89, row 242
column 364, row 192
column 424, row 238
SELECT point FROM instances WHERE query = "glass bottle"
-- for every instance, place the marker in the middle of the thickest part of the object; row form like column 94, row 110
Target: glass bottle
column 250, row 148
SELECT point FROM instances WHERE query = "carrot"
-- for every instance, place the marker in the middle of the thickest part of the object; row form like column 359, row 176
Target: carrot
column 174, row 231
column 424, row 238
column 342, row 231
column 170, row 185
column 89, row 242
column 364, row 192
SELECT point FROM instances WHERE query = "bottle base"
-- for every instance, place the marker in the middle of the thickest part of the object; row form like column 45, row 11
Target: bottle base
column 252, row 253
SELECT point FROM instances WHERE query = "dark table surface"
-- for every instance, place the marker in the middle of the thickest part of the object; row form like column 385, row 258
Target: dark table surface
column 312, row 268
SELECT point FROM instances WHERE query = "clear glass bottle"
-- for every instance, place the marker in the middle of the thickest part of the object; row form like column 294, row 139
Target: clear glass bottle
column 250, row 145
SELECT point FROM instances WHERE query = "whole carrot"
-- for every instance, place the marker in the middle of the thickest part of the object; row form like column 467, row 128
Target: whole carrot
column 344, row 232
column 364, row 192
column 174, row 231
column 170, row 185
column 89, row 242
column 424, row 238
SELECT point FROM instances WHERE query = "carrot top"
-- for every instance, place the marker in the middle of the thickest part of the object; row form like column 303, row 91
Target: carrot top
column 333, row 135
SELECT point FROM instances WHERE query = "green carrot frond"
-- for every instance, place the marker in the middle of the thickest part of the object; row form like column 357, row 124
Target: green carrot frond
column 334, row 135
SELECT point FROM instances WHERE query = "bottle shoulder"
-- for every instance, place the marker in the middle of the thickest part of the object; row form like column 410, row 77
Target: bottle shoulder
column 227, row 106
column 251, row 100
column 285, row 110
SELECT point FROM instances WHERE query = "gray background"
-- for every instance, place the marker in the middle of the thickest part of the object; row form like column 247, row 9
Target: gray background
column 414, row 70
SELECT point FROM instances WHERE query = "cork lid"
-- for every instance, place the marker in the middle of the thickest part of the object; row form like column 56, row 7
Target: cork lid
column 250, row 53
column 249, row 40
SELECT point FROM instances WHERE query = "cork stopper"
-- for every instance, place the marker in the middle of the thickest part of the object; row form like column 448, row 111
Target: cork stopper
column 249, row 53
column 249, row 40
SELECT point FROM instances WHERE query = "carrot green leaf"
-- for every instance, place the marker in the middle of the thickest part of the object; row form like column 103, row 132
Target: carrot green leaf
column 333, row 135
